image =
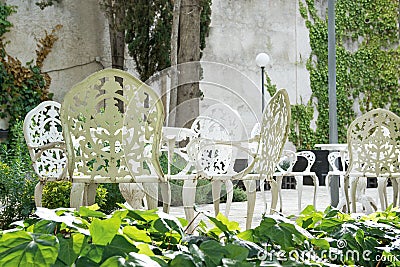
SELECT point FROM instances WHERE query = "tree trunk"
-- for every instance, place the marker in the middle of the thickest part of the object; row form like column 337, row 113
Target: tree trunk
column 187, row 108
column 117, row 35
column 174, row 63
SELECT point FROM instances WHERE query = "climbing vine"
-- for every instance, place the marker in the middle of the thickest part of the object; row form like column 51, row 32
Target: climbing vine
column 22, row 86
column 367, row 71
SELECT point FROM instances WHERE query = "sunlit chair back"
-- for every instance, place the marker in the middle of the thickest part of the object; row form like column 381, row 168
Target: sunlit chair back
column 109, row 150
column 45, row 141
column 374, row 144
column 374, row 151
column 274, row 133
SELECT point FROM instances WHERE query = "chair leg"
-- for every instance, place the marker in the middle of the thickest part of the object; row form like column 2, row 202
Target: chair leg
column 353, row 188
column 251, row 200
column 166, row 196
column 328, row 184
column 279, row 185
column 188, row 198
column 382, row 181
column 39, row 193
column 264, row 197
column 229, row 196
column 316, row 184
column 77, row 195
column 299, row 186
column 346, row 192
column 274, row 195
column 90, row 192
column 151, row 190
column 395, row 186
column 216, row 186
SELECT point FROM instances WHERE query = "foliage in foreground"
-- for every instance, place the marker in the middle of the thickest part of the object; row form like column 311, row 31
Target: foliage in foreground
column 63, row 237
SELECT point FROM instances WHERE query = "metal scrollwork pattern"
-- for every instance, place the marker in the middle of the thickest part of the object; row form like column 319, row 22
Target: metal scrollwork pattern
column 374, row 143
column 273, row 134
column 219, row 122
column 43, row 135
column 93, row 116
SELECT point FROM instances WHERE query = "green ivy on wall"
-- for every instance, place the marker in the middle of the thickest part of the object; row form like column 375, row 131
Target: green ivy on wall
column 367, row 66
column 22, row 86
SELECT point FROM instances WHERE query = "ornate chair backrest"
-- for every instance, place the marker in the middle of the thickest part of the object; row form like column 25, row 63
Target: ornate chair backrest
column 309, row 156
column 334, row 158
column 93, row 114
column 44, row 137
column 273, row 134
column 374, row 143
column 218, row 122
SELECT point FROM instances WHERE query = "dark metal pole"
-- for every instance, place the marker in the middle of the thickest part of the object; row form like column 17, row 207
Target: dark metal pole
column 262, row 90
column 333, row 132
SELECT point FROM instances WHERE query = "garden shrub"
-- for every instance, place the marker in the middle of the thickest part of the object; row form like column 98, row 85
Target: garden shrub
column 17, row 179
column 57, row 195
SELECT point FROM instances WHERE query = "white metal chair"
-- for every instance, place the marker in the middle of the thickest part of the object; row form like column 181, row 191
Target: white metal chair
column 334, row 158
column 116, row 121
column 220, row 122
column 374, row 151
column 272, row 137
column 309, row 156
column 45, row 141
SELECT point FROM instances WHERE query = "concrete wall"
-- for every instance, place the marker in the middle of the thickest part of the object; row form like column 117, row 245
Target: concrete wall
column 240, row 29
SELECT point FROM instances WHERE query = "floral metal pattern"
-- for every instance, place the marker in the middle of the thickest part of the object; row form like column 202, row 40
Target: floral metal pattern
column 374, row 144
column 273, row 134
column 43, row 135
column 218, row 122
column 93, row 115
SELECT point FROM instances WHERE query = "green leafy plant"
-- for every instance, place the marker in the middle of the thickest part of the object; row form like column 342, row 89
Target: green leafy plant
column 17, row 179
column 57, row 195
column 367, row 62
column 89, row 237
column 23, row 87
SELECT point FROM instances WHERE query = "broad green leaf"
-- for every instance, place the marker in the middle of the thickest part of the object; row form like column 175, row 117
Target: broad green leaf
column 166, row 224
column 86, row 262
column 121, row 214
column 320, row 243
column 247, row 235
column 237, row 252
column 145, row 249
column 133, row 259
column 236, row 263
column 70, row 247
column 194, row 239
column 224, row 225
column 252, row 248
column 197, row 254
column 21, row 248
column 45, row 227
column 181, row 260
column 93, row 253
column 91, row 211
column 119, row 246
column 103, row 231
column 136, row 234
column 213, row 250
column 143, row 215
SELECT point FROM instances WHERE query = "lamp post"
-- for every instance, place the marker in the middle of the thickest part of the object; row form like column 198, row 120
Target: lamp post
column 262, row 60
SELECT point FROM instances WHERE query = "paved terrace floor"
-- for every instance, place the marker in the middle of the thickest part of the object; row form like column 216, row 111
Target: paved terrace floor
column 289, row 197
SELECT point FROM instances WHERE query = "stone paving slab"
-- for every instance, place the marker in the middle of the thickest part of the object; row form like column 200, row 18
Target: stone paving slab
column 289, row 197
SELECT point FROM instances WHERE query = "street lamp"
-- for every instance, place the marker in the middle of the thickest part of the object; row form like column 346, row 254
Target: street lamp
column 262, row 60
